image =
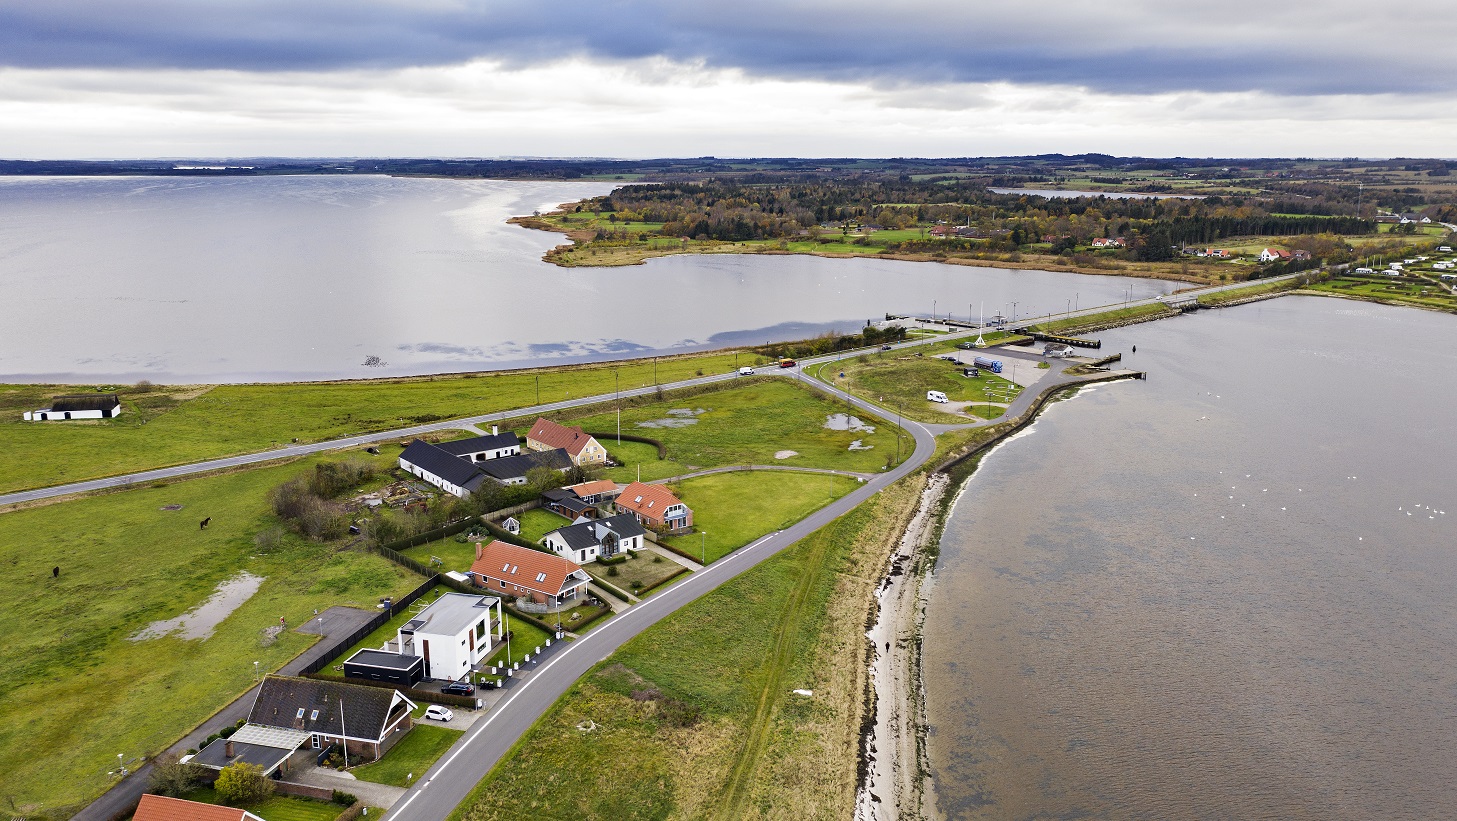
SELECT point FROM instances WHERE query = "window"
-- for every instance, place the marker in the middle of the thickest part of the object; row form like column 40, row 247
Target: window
column 541, row 577
column 314, row 716
column 638, row 500
column 505, row 567
column 317, row 742
column 300, row 713
column 503, row 584
column 481, row 628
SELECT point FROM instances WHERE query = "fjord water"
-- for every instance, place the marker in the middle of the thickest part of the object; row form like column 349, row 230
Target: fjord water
column 1227, row 592
column 303, row 277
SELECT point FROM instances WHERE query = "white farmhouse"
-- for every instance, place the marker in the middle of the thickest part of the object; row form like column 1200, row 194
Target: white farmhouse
column 83, row 406
column 453, row 634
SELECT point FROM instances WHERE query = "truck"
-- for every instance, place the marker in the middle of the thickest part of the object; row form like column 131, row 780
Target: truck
column 993, row 365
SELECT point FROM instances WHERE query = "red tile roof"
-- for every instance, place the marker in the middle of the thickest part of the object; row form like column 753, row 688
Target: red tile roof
column 532, row 569
column 159, row 808
column 549, row 433
column 600, row 486
column 647, row 500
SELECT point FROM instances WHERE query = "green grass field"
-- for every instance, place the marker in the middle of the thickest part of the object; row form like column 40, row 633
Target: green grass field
column 647, row 569
column 70, row 674
column 745, row 424
column 409, row 758
column 733, row 509
column 169, row 427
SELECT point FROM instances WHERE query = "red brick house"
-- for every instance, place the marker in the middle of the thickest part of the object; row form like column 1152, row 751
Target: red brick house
column 655, row 507
column 541, row 578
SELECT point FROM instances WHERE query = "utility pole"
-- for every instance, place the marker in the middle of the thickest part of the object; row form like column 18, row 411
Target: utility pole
column 538, row 389
column 618, row 389
column 703, row 547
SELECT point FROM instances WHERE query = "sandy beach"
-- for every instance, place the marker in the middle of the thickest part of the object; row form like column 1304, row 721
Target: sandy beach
column 894, row 786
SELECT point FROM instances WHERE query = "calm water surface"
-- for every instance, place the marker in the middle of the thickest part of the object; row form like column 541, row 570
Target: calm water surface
column 274, row 278
column 1227, row 592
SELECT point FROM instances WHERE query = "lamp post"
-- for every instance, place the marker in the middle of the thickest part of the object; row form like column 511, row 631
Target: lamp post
column 121, row 763
column 255, row 671
column 703, row 547
column 617, row 388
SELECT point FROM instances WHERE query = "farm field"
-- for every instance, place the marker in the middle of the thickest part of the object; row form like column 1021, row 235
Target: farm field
column 72, row 673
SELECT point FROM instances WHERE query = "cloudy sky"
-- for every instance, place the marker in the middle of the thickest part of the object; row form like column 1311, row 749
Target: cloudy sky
column 167, row 78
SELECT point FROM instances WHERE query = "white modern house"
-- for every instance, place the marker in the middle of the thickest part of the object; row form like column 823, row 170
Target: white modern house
column 83, row 406
column 596, row 538
column 453, row 634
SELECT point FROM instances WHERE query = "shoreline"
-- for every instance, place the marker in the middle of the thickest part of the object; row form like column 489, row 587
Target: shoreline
column 896, row 781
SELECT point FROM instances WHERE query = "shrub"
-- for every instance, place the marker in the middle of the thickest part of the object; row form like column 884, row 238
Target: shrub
column 343, row 799
column 243, row 783
column 173, row 778
column 612, row 571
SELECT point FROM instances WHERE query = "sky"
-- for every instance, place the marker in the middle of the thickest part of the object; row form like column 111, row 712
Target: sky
column 616, row 78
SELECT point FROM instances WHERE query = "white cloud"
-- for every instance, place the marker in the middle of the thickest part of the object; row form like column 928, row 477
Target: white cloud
column 659, row 107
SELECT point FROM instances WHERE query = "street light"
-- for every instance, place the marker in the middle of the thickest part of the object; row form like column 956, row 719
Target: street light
column 703, row 547
column 255, row 671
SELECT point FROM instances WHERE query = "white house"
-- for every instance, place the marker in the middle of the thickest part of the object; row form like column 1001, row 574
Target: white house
column 480, row 448
column 596, row 538
column 83, row 406
column 441, row 468
column 1272, row 254
column 453, row 634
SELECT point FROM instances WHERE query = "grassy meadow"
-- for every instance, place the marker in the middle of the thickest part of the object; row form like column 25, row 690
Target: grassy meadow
column 743, row 424
column 895, row 378
column 731, row 510
column 176, row 425
column 72, row 678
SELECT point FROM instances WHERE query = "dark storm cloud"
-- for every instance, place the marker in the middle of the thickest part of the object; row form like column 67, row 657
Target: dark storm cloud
column 1334, row 46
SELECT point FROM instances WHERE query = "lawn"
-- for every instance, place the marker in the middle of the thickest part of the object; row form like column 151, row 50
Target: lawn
column 454, row 555
column 277, row 807
column 525, row 638
column 646, row 569
column 701, row 705
column 70, row 675
column 746, row 424
column 731, row 510
column 169, row 426
column 411, row 756
column 537, row 523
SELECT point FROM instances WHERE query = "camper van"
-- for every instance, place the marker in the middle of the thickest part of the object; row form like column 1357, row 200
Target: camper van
column 936, row 396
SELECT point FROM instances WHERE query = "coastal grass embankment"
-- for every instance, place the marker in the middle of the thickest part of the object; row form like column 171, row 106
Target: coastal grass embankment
column 71, row 674
column 701, row 706
column 162, row 426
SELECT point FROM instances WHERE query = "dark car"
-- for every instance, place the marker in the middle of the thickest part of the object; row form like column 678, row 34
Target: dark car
column 885, row 347
column 459, row 688
column 965, row 346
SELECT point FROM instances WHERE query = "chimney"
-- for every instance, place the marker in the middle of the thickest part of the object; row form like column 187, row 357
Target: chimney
column 478, row 550
column 495, row 431
column 228, row 749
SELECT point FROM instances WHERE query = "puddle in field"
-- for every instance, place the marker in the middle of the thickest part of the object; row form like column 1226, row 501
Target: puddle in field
column 860, row 445
column 842, row 421
column 677, row 418
column 198, row 623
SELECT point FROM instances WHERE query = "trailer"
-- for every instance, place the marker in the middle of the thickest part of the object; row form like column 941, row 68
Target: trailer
column 993, row 365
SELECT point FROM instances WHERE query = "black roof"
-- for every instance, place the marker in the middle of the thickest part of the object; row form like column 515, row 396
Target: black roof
column 589, row 534
column 515, row 467
column 566, row 499
column 442, row 463
column 280, row 698
column 389, row 661
column 215, row 755
column 476, row 444
column 85, row 402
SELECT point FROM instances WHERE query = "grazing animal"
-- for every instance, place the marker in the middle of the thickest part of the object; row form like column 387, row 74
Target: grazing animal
column 55, row 572
column 204, row 523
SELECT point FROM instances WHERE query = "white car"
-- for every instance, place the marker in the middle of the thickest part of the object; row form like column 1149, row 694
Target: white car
column 439, row 713
column 746, row 371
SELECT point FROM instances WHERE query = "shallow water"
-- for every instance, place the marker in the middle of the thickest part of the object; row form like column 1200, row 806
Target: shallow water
column 200, row 621
column 1226, row 592
column 278, row 278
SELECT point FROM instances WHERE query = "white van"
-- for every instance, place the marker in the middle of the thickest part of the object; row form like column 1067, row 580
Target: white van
column 936, row 396
column 746, row 371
